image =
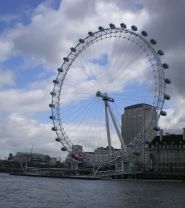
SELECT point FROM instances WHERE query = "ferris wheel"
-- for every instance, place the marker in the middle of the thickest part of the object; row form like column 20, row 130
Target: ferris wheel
column 103, row 73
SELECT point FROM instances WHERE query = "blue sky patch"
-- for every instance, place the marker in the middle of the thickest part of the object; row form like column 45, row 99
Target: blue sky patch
column 102, row 60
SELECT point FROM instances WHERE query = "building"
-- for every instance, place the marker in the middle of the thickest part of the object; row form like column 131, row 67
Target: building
column 101, row 155
column 77, row 148
column 138, row 121
column 167, row 153
column 91, row 159
column 34, row 159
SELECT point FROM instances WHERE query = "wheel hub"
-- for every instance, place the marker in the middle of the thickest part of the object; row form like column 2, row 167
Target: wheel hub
column 104, row 96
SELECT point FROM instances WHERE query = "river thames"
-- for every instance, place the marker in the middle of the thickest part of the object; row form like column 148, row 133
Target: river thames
column 33, row 192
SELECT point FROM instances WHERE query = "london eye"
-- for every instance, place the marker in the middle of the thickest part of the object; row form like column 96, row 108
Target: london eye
column 106, row 71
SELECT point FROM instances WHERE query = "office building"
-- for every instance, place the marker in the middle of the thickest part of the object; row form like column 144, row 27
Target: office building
column 138, row 122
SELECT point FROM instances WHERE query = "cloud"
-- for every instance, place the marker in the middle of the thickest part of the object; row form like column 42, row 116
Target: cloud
column 166, row 25
column 28, row 132
column 175, row 58
column 43, row 38
column 19, row 133
column 175, row 119
column 33, row 98
column 166, row 22
column 7, row 79
column 6, row 49
column 8, row 18
column 15, row 100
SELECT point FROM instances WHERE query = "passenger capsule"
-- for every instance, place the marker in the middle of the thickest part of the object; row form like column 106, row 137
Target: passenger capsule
column 54, row 128
column 81, row 40
column 60, row 70
column 123, row 25
column 73, row 49
column 167, row 81
column 163, row 113
column 65, row 59
column 134, row 28
column 98, row 94
column 112, row 26
column 166, row 97
column 101, row 28
column 63, row 149
column 156, row 128
column 165, row 66
column 51, row 105
column 55, row 81
column 90, row 33
column 53, row 93
column 160, row 52
column 152, row 41
column 57, row 139
column 52, row 117
column 144, row 33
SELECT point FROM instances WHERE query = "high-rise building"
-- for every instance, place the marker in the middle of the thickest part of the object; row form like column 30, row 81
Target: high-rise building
column 138, row 121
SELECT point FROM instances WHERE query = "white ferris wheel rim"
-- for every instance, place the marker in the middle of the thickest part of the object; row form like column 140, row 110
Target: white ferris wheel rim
column 83, row 44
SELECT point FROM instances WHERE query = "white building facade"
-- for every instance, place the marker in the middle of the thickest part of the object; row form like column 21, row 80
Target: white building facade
column 167, row 153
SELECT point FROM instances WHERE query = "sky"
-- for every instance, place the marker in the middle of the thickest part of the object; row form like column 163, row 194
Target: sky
column 36, row 34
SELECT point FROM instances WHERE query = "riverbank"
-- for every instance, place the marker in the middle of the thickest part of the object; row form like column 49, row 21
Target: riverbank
column 58, row 176
column 143, row 176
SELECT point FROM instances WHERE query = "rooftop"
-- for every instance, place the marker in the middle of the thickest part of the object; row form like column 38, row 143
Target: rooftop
column 171, row 139
column 139, row 105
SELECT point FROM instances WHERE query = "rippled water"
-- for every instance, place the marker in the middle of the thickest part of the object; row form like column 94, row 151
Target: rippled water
column 27, row 192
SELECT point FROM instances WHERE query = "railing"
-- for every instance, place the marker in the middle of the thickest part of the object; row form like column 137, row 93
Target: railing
column 111, row 172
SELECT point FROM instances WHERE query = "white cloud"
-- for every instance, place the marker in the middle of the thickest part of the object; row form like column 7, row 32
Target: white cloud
column 6, row 49
column 51, row 32
column 19, row 133
column 18, row 100
column 7, row 18
column 6, row 78
column 175, row 119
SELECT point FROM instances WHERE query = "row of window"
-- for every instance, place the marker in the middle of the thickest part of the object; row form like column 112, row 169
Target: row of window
column 167, row 146
column 180, row 165
column 172, row 159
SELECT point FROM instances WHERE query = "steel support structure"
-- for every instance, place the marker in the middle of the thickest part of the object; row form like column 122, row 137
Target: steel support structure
column 108, row 127
column 106, row 100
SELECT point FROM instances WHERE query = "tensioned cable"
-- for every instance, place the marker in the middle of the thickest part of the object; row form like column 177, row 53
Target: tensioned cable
column 119, row 66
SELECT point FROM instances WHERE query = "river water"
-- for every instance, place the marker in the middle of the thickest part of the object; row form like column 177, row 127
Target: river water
column 33, row 192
